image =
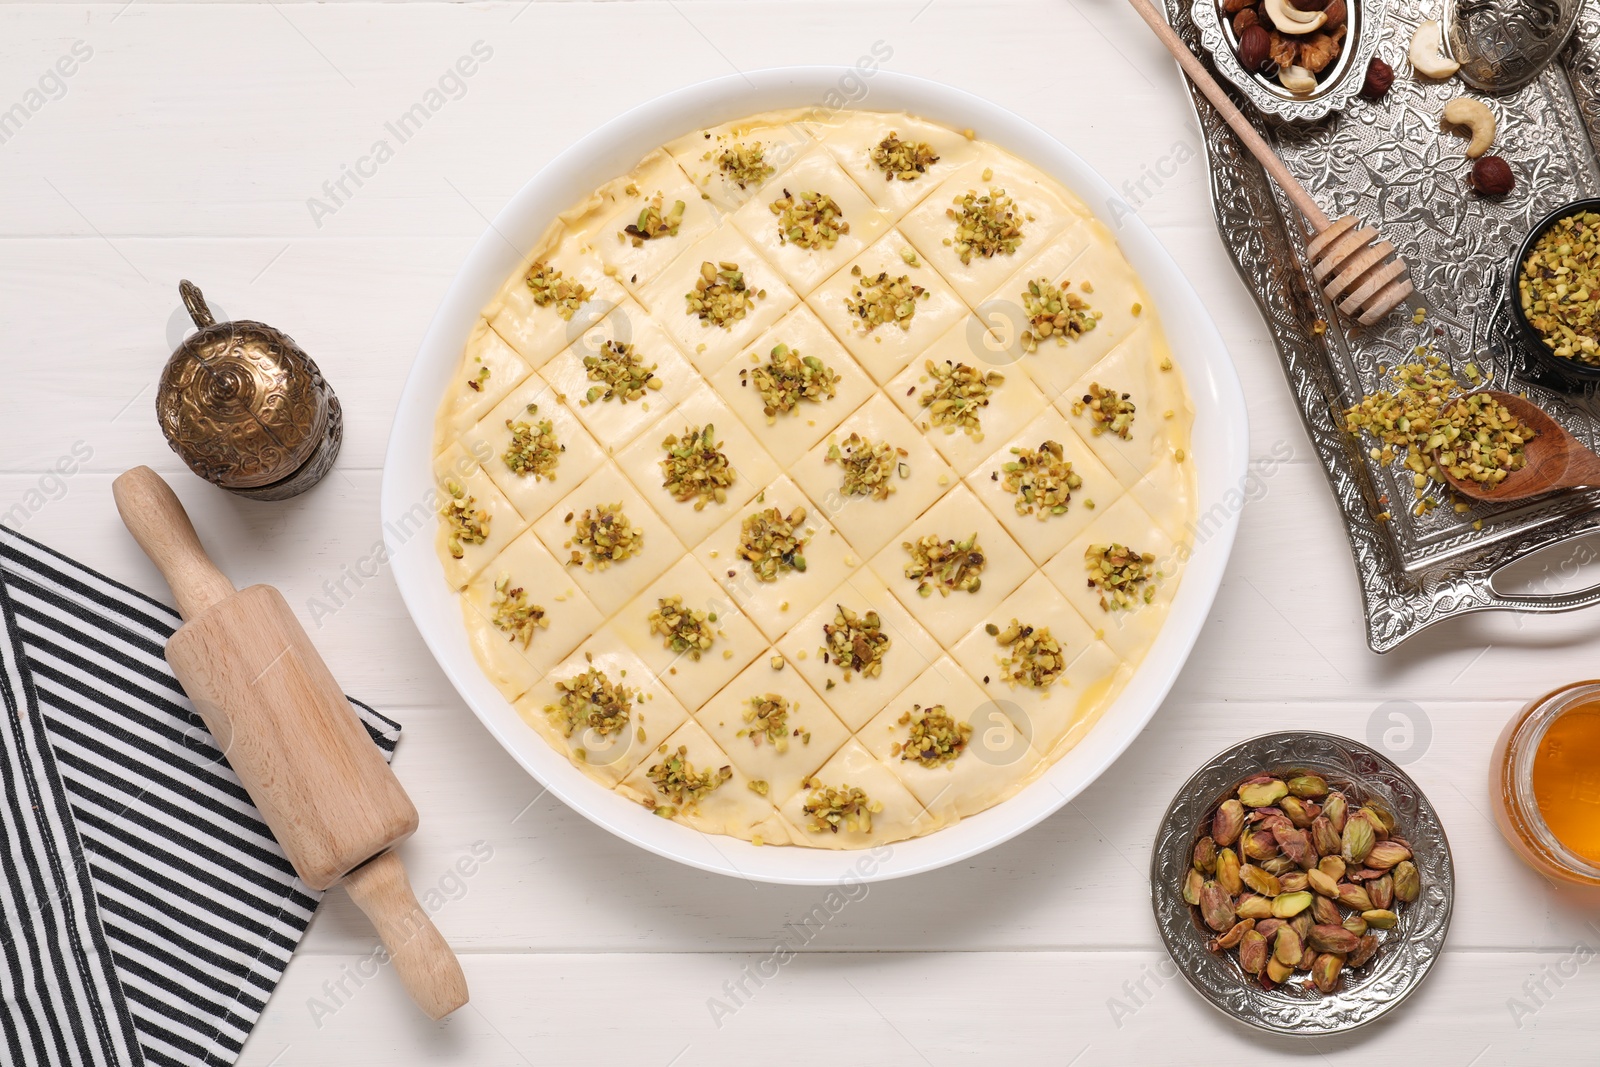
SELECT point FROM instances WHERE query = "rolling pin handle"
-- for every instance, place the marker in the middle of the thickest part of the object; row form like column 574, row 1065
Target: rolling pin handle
column 424, row 961
column 151, row 511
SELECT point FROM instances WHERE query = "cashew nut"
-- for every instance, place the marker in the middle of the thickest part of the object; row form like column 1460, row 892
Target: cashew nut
column 1290, row 19
column 1477, row 118
column 1427, row 51
column 1297, row 79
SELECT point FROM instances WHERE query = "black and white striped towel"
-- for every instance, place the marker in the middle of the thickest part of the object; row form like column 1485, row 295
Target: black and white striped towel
column 146, row 914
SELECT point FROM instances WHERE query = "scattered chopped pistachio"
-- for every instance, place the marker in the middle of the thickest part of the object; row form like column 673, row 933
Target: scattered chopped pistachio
column 787, row 378
column 986, row 225
column 873, row 302
column 653, row 222
column 513, row 614
column 1042, row 479
column 767, row 717
column 1054, row 312
column 591, row 701
column 1319, row 327
column 935, row 738
column 467, row 523
column 908, row 256
column 1109, row 409
column 1033, row 657
column 865, row 466
column 1124, row 577
column 676, row 779
column 719, row 296
column 683, row 630
column 695, row 467
column 958, row 393
column 1560, row 287
column 945, row 565
column 475, row 383
column 856, row 642
column 606, row 535
column 773, row 543
column 1419, row 316
column 830, row 808
column 811, row 220
column 552, row 289
column 903, row 160
column 744, row 164
column 621, row 373
column 760, row 786
column 533, row 449
column 1481, row 440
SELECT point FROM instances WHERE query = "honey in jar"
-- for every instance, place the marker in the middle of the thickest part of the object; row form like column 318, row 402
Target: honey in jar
column 1545, row 783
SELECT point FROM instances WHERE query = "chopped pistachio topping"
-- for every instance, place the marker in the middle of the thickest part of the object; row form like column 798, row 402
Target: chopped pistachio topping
column 767, row 717
column 1481, row 440
column 773, row 543
column 1042, row 479
column 945, row 564
column 653, row 222
column 676, row 779
column 719, row 296
column 683, row 630
column 475, row 383
column 1109, row 409
column 903, row 160
column 867, row 467
column 533, row 449
column 695, row 467
column 621, row 373
column 831, row 808
column 513, row 614
column 552, row 289
column 986, row 225
column 1032, row 657
column 788, row 378
column 934, row 737
column 468, row 524
column 591, row 701
column 810, row 220
column 1054, row 312
column 856, row 642
column 744, row 165
column 606, row 535
column 1124, row 577
column 759, row 786
column 958, row 393
column 1560, row 287
column 882, row 299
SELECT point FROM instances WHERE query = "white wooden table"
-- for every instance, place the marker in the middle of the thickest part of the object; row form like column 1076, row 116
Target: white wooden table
column 188, row 144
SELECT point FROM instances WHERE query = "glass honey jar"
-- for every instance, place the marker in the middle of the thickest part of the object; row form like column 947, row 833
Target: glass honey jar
column 1544, row 782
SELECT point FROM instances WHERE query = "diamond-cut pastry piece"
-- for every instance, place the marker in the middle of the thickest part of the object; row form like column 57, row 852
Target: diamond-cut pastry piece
column 1043, row 537
column 694, row 519
column 993, row 762
column 612, row 422
column 1133, row 367
column 957, row 516
column 654, row 714
column 537, row 331
column 693, row 678
column 782, row 758
column 1168, row 494
column 1040, row 211
column 1128, row 630
column 854, row 696
column 513, row 650
column 706, row 343
column 614, row 585
column 1093, row 675
column 805, row 267
column 633, row 257
column 886, row 349
column 853, row 135
column 790, row 433
column 459, row 478
column 730, row 807
column 898, row 817
column 1012, row 402
column 489, row 370
column 532, row 492
column 780, row 135
column 776, row 605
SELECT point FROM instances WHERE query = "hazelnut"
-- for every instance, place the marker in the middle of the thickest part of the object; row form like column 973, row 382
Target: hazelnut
column 1244, row 20
column 1337, row 13
column 1379, row 77
column 1254, row 49
column 1309, row 5
column 1491, row 176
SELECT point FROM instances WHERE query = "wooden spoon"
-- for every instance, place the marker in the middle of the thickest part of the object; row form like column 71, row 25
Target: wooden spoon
column 1360, row 273
column 1556, row 459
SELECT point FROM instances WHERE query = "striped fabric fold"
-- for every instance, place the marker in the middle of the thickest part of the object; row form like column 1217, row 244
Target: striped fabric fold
column 148, row 913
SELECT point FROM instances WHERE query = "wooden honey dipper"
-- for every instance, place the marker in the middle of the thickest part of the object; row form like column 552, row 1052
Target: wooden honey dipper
column 1359, row 272
column 288, row 732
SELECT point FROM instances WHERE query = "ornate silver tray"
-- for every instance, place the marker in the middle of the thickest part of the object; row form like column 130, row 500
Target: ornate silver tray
column 1390, row 164
column 1407, row 952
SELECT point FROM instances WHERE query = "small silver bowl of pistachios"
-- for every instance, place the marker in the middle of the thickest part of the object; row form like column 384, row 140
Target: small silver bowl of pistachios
column 1302, row 883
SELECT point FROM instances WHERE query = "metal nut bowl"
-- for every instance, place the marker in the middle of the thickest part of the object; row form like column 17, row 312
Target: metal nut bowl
column 1405, row 953
column 1341, row 82
column 1566, row 373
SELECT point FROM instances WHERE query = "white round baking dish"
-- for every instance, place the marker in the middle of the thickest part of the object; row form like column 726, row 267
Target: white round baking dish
column 1220, row 441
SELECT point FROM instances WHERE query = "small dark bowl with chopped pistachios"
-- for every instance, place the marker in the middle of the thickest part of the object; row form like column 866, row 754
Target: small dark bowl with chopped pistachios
column 1555, row 292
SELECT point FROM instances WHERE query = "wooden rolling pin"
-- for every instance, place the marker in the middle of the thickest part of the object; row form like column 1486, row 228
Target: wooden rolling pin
column 290, row 735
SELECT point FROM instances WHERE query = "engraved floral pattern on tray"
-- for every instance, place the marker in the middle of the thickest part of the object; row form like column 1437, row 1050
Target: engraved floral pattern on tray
column 1405, row 954
column 1390, row 164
